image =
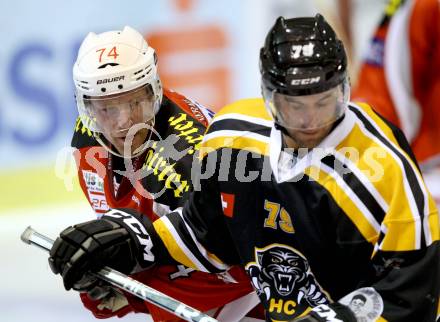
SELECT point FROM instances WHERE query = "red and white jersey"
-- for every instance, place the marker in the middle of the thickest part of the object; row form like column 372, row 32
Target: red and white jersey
column 180, row 125
column 400, row 78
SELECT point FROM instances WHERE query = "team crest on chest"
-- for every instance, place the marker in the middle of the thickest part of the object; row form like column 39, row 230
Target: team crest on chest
column 284, row 282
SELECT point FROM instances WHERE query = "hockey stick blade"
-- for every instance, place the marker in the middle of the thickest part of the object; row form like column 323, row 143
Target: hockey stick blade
column 183, row 311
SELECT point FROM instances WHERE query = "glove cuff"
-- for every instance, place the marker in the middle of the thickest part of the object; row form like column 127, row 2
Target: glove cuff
column 150, row 249
column 136, row 225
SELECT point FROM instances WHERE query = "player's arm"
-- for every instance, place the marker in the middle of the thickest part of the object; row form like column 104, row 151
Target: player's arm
column 400, row 138
column 406, row 256
column 119, row 240
column 127, row 241
column 406, row 263
column 406, row 285
column 408, row 280
column 89, row 157
column 197, row 236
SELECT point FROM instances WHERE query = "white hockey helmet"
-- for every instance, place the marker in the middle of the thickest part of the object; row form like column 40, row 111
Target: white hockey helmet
column 110, row 65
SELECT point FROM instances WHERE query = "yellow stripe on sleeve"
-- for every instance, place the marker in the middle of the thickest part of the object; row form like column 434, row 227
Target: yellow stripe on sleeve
column 171, row 244
column 385, row 173
column 387, row 131
column 234, row 142
column 345, row 202
column 434, row 223
column 382, row 125
column 381, row 319
column 253, row 107
column 400, row 236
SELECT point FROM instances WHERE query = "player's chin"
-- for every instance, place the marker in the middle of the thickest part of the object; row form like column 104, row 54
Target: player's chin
column 311, row 139
column 127, row 147
column 307, row 140
column 309, row 144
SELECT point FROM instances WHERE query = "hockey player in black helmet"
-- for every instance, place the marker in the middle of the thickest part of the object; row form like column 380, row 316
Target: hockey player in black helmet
column 304, row 79
column 317, row 197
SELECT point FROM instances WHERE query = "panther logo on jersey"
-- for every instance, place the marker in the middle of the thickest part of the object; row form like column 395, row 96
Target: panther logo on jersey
column 282, row 278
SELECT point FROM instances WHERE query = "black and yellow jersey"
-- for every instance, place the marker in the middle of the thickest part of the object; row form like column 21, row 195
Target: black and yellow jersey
column 312, row 226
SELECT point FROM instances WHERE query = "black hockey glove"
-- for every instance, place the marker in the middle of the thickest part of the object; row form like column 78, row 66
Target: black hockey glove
column 118, row 240
column 329, row 312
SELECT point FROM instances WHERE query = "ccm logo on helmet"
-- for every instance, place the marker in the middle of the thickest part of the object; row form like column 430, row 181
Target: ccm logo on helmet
column 305, row 81
column 109, row 80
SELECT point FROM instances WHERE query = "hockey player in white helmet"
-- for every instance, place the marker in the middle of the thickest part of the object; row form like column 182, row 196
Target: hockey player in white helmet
column 129, row 124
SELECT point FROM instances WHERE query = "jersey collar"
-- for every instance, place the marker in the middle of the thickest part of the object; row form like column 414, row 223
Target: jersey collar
column 286, row 170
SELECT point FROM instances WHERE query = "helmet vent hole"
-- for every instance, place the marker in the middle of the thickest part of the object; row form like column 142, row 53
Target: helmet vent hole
column 120, row 86
column 148, row 70
column 140, row 77
column 107, row 64
column 84, row 82
column 137, row 72
column 103, row 89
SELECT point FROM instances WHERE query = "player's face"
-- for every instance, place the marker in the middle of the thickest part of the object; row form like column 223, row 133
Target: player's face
column 308, row 119
column 116, row 114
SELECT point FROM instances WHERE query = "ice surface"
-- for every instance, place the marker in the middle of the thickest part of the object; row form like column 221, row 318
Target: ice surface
column 29, row 291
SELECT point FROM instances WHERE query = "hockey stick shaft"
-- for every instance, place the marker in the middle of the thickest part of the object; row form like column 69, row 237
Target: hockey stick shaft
column 115, row 278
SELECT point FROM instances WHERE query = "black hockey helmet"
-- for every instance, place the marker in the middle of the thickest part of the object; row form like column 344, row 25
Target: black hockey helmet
column 302, row 56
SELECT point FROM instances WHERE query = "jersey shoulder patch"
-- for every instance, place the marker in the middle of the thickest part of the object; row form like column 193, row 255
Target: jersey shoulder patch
column 188, row 106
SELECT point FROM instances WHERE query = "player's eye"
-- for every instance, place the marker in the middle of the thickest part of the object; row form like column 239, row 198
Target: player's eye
column 297, row 107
